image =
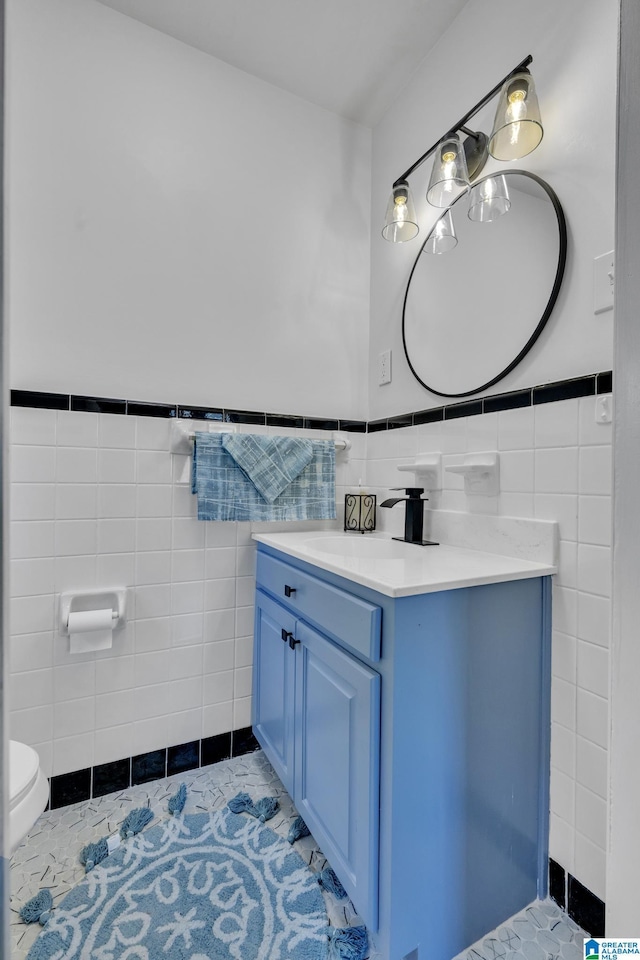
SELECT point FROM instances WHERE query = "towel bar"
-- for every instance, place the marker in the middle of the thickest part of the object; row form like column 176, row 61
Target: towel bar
column 182, row 437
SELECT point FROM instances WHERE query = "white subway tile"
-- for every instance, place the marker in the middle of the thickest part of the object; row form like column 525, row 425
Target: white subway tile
column 245, row 590
column 153, row 466
column 76, row 537
column 76, row 501
column 28, row 577
column 184, row 502
column 594, row 619
column 593, row 431
column 556, row 424
column 246, row 561
column 217, row 718
column 116, row 500
column 590, row 865
column 565, row 610
column 221, row 594
column 593, row 668
column 592, row 718
column 244, row 651
column 186, row 726
column 187, row 628
column 32, row 501
column 219, row 625
column 73, row 752
column 34, row 688
column 595, row 520
column 454, row 435
column 516, row 429
column 71, row 717
column 153, row 567
column 116, row 430
column 116, row 569
column 31, row 539
column 567, row 564
column 220, row 534
column 218, row 656
column 594, row 569
column 591, row 816
column 561, row 507
column 74, row 680
column 153, row 634
column 150, row 734
column 556, row 470
column 188, row 534
column 153, row 500
column 31, row 725
column 186, row 662
column 563, row 750
column 517, row 471
column 115, row 708
column 75, row 573
column 77, row 429
column 33, row 426
column 185, row 694
column 154, row 433
column 32, row 614
column 218, row 687
column 563, row 656
column 113, row 743
column 562, row 795
column 45, row 753
column 152, row 701
column 220, row 563
column 117, row 535
column 187, row 565
column 244, row 621
column 114, row 673
column 563, row 703
column 76, row 465
column 32, row 464
column 242, row 681
column 561, row 842
column 482, row 432
column 153, row 534
column 116, row 466
column 516, row 504
column 595, row 470
column 187, row 597
column 153, row 601
column 31, row 651
column 242, row 713
column 591, row 767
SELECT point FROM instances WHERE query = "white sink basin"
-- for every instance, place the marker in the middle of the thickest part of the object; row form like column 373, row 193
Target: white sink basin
column 361, row 546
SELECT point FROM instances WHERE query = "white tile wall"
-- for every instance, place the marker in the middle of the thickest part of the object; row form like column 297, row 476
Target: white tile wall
column 555, row 464
column 94, row 503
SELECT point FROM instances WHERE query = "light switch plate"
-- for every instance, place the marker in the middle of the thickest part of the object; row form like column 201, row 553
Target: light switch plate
column 603, row 282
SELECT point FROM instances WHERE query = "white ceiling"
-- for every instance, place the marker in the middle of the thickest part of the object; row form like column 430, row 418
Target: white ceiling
column 351, row 56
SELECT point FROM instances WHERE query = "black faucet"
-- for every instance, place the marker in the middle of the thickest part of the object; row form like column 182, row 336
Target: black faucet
column 414, row 516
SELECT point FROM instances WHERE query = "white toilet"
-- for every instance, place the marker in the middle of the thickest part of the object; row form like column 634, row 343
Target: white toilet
column 28, row 788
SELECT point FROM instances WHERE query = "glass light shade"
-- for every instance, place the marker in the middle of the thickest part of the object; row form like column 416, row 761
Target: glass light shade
column 517, row 128
column 400, row 223
column 489, row 199
column 443, row 237
column 449, row 176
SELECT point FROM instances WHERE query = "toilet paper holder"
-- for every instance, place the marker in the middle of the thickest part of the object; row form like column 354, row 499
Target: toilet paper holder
column 85, row 601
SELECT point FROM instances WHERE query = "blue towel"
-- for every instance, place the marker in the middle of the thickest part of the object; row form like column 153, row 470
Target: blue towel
column 271, row 463
column 225, row 492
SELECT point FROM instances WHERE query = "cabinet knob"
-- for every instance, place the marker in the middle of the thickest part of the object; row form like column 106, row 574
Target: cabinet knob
column 293, row 641
column 285, row 634
column 288, row 590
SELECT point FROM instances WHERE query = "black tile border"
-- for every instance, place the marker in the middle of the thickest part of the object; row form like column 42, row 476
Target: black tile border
column 587, row 386
column 105, row 778
column 581, row 904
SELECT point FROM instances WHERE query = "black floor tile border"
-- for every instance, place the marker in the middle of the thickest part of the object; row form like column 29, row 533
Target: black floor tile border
column 587, row 386
column 581, row 904
column 106, row 778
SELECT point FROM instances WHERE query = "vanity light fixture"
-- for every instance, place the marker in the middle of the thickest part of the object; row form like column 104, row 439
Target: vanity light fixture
column 489, row 199
column 443, row 237
column 517, row 130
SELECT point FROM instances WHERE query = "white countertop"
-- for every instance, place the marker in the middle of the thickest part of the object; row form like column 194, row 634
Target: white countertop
column 409, row 569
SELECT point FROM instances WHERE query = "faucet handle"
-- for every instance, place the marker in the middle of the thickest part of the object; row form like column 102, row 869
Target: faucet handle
column 414, row 493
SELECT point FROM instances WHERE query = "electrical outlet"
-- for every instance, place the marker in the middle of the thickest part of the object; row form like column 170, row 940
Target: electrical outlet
column 603, row 282
column 384, row 367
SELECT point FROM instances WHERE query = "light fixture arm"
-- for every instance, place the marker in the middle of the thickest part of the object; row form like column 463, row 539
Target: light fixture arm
column 462, row 123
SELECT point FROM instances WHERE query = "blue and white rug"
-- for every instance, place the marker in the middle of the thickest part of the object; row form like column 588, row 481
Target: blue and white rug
column 204, row 886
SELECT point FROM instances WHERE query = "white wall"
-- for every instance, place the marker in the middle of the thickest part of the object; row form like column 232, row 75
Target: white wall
column 173, row 215
column 574, row 49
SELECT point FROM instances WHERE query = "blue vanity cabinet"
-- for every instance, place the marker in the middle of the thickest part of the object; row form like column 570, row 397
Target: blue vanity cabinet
column 420, row 737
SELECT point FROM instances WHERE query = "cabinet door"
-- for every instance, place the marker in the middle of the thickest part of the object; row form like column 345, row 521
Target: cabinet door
column 273, row 685
column 336, row 789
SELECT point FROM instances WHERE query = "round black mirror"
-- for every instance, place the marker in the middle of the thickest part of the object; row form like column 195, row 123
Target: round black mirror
column 497, row 286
